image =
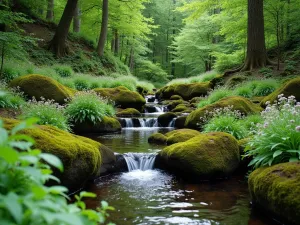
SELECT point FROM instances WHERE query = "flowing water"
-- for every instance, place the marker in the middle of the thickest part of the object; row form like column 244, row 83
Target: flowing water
column 147, row 196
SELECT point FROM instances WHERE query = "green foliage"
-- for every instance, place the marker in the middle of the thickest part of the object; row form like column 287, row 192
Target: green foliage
column 152, row 72
column 267, row 72
column 11, row 99
column 48, row 112
column 88, row 106
column 251, row 122
column 225, row 61
column 24, row 197
column 63, row 70
column 277, row 140
column 146, row 85
column 215, row 96
column 204, row 77
column 81, row 83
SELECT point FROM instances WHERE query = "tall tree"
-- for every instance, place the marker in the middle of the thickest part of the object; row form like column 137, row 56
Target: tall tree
column 256, row 48
column 77, row 19
column 103, row 32
column 58, row 43
column 50, row 10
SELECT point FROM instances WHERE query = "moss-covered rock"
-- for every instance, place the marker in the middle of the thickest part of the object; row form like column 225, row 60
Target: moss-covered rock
column 41, row 86
column 107, row 125
column 129, row 112
column 196, row 100
column 165, row 119
column 235, row 80
column 141, row 90
column 180, row 122
column 180, row 108
column 186, row 91
column 81, row 156
column 172, row 104
column 181, row 135
column 241, row 104
column 157, row 138
column 123, row 97
column 176, row 97
column 291, row 87
column 277, row 190
column 206, row 156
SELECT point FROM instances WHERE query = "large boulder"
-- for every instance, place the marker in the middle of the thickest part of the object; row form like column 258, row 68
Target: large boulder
column 186, row 91
column 165, row 119
column 157, row 138
column 291, row 87
column 106, row 125
column 129, row 112
column 180, row 122
column 206, row 156
column 241, row 104
column 122, row 97
column 82, row 157
column 41, row 86
column 181, row 135
column 276, row 189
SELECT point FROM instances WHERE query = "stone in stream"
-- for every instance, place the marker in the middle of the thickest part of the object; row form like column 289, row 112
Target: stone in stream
column 206, row 156
column 276, row 189
column 165, row 119
column 129, row 112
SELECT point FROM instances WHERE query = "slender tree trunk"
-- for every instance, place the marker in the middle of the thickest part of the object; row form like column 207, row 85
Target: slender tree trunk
column 103, row 32
column 278, row 39
column 256, row 47
column 117, row 42
column 77, row 19
column 50, row 10
column 58, row 43
column 112, row 44
column 2, row 58
column 288, row 26
column 174, row 32
column 131, row 60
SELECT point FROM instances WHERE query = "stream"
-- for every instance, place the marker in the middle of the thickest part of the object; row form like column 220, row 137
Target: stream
column 147, row 196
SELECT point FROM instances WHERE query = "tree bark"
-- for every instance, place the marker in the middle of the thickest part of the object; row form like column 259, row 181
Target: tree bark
column 117, row 42
column 256, row 47
column 2, row 59
column 174, row 32
column 103, row 32
column 77, row 19
column 58, row 43
column 50, row 10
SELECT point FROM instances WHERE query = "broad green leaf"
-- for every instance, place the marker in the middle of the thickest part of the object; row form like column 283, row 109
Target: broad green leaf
column 71, row 219
column 3, row 136
column 52, row 160
column 9, row 155
column 277, row 153
column 87, row 194
column 14, row 207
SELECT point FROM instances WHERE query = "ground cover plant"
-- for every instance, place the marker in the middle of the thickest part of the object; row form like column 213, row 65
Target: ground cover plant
column 12, row 98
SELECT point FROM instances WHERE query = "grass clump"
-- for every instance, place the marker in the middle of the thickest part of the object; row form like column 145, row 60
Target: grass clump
column 215, row 96
column 88, row 106
column 277, row 139
column 48, row 112
column 10, row 98
column 208, row 76
column 81, row 84
column 63, row 70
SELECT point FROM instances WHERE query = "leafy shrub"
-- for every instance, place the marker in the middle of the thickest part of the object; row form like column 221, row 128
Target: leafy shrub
column 277, row 140
column 64, row 70
column 11, row 98
column 251, row 122
column 204, row 77
column 215, row 96
column 147, row 70
column 146, row 85
column 49, row 113
column 266, row 71
column 88, row 106
column 81, row 84
column 9, row 73
column 244, row 91
column 24, row 197
column 225, row 61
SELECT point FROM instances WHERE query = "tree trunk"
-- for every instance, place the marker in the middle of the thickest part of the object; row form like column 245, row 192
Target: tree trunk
column 256, row 47
column 58, row 43
column 2, row 58
column 174, row 32
column 77, row 19
column 131, row 60
column 103, row 32
column 117, row 42
column 112, row 44
column 50, row 10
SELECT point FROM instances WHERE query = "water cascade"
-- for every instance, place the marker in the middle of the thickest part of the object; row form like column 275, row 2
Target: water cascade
column 140, row 161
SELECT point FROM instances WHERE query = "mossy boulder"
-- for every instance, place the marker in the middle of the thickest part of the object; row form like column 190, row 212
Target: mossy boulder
column 241, row 104
column 291, row 87
column 196, row 100
column 82, row 157
column 41, row 86
column 157, row 138
column 180, row 108
column 165, row 119
column 106, row 125
column 277, row 190
column 122, row 97
column 186, row 91
column 129, row 112
column 172, row 104
column 206, row 156
column 235, row 80
column 181, row 135
column 176, row 97
column 180, row 122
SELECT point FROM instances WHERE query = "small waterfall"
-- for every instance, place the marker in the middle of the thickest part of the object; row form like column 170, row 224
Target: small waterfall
column 128, row 122
column 152, row 122
column 140, row 161
column 172, row 123
column 142, row 122
column 158, row 109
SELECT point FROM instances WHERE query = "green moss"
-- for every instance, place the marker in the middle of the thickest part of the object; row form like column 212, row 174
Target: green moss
column 205, row 156
column 41, row 86
column 291, row 87
column 235, row 80
column 106, row 125
column 176, row 97
column 122, row 97
column 157, row 138
column 180, row 108
column 166, row 118
column 181, row 135
column 277, row 189
column 186, row 91
column 241, row 104
column 196, row 100
column 174, row 103
column 129, row 112
column 80, row 156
